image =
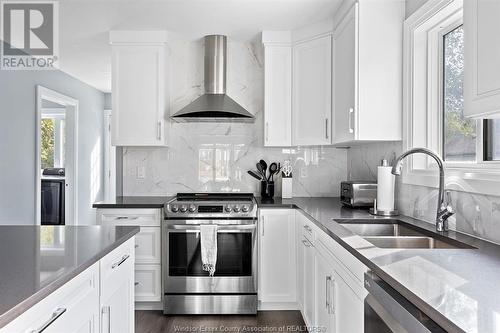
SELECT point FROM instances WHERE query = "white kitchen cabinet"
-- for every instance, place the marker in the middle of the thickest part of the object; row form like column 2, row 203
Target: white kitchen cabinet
column 117, row 290
column 300, row 262
column 277, row 257
column 323, row 293
column 139, row 92
column 367, row 80
column 278, row 94
column 148, row 283
column 305, row 268
column 341, row 303
column 482, row 58
column 308, row 310
column 312, row 92
column 347, row 306
column 75, row 307
column 345, row 77
column 148, row 246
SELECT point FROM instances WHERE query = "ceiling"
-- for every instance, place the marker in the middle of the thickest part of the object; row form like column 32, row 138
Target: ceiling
column 84, row 25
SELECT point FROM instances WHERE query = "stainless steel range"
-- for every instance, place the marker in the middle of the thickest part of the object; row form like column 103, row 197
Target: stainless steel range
column 188, row 288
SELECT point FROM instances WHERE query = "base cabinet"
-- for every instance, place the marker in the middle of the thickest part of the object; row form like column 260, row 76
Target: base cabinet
column 324, row 286
column 117, row 290
column 277, row 256
column 330, row 281
column 347, row 306
column 308, row 291
column 76, row 307
column 148, row 284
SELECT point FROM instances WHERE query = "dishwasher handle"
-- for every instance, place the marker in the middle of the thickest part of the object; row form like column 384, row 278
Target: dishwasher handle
column 394, row 310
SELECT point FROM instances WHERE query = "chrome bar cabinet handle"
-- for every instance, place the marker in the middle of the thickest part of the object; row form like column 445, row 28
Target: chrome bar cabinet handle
column 55, row 315
column 122, row 260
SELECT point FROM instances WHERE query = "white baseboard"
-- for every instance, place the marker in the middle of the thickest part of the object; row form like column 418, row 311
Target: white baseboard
column 277, row 306
column 149, row 306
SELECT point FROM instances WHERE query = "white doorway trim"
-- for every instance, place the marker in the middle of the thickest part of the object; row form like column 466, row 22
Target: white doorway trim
column 109, row 160
column 71, row 106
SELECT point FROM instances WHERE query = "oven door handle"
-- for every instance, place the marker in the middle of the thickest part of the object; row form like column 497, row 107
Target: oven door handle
column 224, row 228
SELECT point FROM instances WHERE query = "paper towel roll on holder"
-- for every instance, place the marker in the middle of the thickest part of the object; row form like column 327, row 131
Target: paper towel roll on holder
column 375, row 211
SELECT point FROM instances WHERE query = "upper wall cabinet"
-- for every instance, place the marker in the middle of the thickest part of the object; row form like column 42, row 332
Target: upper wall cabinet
column 482, row 58
column 312, row 92
column 298, row 93
column 367, row 74
column 139, row 92
column 277, row 90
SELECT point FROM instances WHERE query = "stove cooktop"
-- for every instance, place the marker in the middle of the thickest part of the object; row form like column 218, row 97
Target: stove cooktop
column 212, row 206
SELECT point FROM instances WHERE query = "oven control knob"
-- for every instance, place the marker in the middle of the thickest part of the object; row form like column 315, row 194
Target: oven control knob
column 192, row 208
column 174, row 208
column 228, row 209
column 184, row 208
column 245, row 208
column 236, row 209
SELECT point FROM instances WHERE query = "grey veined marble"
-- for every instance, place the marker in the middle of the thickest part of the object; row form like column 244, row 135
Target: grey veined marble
column 476, row 214
column 216, row 157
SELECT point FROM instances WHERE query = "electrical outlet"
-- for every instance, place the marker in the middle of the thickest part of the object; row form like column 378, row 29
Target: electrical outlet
column 141, row 172
column 303, row 172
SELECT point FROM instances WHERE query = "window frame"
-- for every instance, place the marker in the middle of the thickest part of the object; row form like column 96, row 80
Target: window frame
column 423, row 90
column 59, row 117
column 479, row 124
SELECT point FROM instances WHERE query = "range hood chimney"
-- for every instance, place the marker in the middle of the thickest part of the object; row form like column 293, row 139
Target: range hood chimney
column 214, row 105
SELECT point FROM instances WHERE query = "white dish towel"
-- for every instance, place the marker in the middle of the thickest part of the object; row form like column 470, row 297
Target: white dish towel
column 208, row 235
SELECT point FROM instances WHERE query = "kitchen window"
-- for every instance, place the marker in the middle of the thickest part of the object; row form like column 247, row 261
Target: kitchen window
column 459, row 133
column 434, row 105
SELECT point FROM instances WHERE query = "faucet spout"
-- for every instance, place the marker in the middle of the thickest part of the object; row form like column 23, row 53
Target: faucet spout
column 444, row 210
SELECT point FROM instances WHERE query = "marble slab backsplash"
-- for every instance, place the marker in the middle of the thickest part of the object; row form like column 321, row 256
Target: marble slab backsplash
column 215, row 157
column 475, row 214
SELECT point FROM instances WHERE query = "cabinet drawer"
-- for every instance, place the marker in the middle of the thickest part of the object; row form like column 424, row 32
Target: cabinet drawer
column 350, row 263
column 71, row 308
column 148, row 246
column 140, row 217
column 147, row 283
column 115, row 267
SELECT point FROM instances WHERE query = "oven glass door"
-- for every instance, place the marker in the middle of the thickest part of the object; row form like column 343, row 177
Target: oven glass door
column 234, row 254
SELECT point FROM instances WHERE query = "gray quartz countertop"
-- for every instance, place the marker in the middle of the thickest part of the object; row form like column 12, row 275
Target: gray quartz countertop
column 36, row 260
column 133, row 202
column 457, row 288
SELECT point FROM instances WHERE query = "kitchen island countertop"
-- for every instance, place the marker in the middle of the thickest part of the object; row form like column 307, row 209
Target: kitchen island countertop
column 37, row 260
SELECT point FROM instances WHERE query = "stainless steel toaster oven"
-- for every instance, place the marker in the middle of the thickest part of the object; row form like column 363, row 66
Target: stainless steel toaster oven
column 356, row 194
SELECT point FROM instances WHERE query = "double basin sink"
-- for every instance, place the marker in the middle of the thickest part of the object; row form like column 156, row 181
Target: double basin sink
column 398, row 234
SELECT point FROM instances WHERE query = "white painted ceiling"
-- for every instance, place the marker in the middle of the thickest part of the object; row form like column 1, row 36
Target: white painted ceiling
column 84, row 25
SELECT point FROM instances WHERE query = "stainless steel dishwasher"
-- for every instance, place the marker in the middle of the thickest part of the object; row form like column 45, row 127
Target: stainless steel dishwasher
column 386, row 311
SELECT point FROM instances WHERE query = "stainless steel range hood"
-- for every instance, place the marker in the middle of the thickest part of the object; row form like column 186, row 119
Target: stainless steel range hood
column 214, row 105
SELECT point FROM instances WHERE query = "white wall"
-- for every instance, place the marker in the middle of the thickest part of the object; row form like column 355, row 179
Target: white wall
column 17, row 142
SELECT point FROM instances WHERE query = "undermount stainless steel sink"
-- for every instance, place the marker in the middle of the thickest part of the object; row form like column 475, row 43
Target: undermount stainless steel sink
column 398, row 234
column 408, row 242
